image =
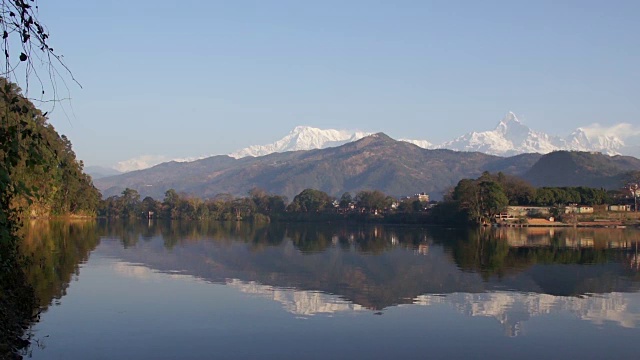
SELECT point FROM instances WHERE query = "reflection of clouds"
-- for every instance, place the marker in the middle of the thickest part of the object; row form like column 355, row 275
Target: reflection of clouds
column 512, row 309
column 141, row 272
column 132, row 270
column 298, row 302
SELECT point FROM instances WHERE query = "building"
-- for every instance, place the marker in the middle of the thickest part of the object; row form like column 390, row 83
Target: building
column 422, row 197
column 619, row 208
column 578, row 209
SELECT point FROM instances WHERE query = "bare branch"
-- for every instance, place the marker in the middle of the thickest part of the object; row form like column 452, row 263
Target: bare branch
column 25, row 45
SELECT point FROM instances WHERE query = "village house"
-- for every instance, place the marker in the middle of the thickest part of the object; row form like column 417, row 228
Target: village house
column 619, row 208
column 422, row 197
column 578, row 209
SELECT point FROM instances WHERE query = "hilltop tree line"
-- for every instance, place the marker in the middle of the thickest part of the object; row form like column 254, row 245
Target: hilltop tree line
column 257, row 205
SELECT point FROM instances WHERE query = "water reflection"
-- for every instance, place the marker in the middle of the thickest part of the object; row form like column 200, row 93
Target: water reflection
column 55, row 250
column 512, row 309
column 509, row 274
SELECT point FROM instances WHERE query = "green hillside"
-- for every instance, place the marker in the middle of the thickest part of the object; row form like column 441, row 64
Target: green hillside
column 573, row 168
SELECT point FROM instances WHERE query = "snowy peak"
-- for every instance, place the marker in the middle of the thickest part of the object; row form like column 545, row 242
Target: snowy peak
column 303, row 138
column 510, row 121
column 420, row 143
column 510, row 137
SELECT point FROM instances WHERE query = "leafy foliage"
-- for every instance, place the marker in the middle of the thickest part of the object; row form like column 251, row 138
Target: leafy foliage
column 39, row 175
column 39, row 165
column 483, row 198
column 310, row 200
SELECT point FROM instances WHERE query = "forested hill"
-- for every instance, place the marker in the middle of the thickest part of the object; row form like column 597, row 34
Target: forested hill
column 573, row 168
column 375, row 162
column 40, row 162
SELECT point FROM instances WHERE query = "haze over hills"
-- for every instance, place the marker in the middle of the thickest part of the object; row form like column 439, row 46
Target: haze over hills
column 374, row 162
column 98, row 172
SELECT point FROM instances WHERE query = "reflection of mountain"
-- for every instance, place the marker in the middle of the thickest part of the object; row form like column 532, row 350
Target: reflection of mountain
column 512, row 309
column 511, row 275
column 378, row 267
column 298, row 302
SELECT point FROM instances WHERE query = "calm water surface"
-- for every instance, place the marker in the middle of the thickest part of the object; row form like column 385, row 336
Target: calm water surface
column 240, row 291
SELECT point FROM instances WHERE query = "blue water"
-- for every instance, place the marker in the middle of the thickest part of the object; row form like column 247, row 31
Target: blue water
column 366, row 293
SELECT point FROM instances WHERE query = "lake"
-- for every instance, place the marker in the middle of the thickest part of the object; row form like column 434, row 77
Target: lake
column 181, row 290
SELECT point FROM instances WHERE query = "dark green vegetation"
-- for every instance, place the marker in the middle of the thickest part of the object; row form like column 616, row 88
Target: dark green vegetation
column 310, row 205
column 39, row 165
column 39, row 176
column 30, row 153
column 376, row 162
column 472, row 201
column 480, row 200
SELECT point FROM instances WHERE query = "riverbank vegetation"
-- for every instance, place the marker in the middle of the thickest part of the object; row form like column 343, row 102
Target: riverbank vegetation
column 39, row 176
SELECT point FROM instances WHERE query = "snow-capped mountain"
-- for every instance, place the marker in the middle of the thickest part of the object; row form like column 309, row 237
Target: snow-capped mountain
column 421, row 143
column 510, row 137
column 303, row 138
column 607, row 144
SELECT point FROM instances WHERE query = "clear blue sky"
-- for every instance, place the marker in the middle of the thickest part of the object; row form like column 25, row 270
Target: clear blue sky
column 189, row 78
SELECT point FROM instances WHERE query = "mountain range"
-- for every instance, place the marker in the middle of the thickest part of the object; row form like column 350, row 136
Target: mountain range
column 510, row 137
column 373, row 162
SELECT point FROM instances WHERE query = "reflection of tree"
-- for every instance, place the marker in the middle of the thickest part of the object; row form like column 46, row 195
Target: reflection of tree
column 310, row 238
column 55, row 250
column 500, row 252
column 478, row 251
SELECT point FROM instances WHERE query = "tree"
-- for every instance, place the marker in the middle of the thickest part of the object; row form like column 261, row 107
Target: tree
column 372, row 200
column 482, row 199
column 310, row 200
column 150, row 207
column 493, row 199
column 345, row 200
column 266, row 203
column 467, row 194
column 130, row 203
